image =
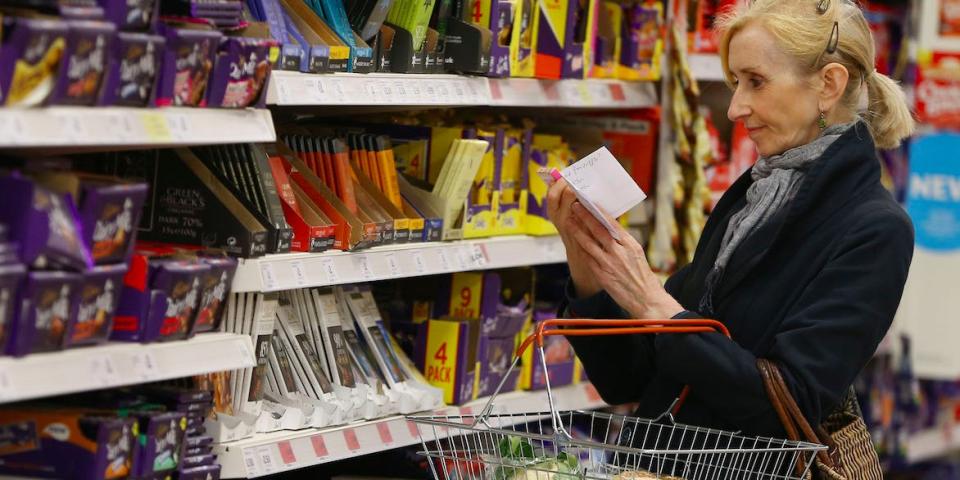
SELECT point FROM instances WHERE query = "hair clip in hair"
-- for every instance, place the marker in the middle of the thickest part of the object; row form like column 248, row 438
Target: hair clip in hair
column 834, row 38
column 823, row 6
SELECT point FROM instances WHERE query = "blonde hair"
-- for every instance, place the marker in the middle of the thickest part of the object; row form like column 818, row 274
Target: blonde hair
column 805, row 34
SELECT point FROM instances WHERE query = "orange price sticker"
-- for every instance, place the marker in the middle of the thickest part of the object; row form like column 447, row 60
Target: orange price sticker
column 383, row 428
column 592, row 394
column 351, row 437
column 286, row 452
column 319, row 446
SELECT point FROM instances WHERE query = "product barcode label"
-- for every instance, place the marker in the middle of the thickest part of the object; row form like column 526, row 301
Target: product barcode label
column 479, row 256
column 444, row 261
column 103, row 371
column 363, row 267
column 393, row 265
column 330, row 271
column 266, row 459
column 299, row 273
column 145, row 366
column 268, row 276
column 419, row 265
column 250, row 462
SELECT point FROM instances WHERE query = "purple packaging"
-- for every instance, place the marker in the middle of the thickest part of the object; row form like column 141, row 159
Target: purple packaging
column 215, row 285
column 30, row 58
column 110, row 212
column 163, row 308
column 188, row 60
column 46, row 301
column 10, row 278
column 85, row 63
column 199, row 442
column 199, row 461
column 559, row 354
column 161, row 443
column 65, row 444
column 208, row 472
column 241, row 74
column 192, row 452
column 496, row 356
column 99, row 294
column 131, row 14
column 501, row 25
column 194, row 432
column 44, row 223
column 194, row 423
column 133, row 70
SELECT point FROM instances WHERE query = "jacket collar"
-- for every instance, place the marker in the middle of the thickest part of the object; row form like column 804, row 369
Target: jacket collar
column 845, row 169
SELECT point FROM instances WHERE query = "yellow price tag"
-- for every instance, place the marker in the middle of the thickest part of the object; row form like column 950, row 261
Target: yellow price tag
column 155, row 127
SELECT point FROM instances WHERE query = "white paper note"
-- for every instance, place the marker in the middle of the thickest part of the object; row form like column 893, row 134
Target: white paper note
column 602, row 185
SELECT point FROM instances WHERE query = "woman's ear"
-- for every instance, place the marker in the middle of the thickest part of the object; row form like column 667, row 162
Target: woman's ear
column 833, row 83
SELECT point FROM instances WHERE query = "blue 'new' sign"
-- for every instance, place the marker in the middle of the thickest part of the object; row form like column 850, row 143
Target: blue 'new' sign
column 933, row 195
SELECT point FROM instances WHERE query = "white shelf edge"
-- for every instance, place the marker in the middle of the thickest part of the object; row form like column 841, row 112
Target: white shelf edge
column 387, row 89
column 932, row 443
column 302, row 270
column 120, row 364
column 88, row 127
column 370, row 436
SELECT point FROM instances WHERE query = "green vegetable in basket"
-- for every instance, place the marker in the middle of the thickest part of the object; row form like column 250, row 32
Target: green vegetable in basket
column 521, row 463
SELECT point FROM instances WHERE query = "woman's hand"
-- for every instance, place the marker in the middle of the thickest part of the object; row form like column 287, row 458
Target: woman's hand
column 560, row 198
column 620, row 267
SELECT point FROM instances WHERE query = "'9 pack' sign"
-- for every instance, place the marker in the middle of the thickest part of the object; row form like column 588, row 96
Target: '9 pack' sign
column 933, row 196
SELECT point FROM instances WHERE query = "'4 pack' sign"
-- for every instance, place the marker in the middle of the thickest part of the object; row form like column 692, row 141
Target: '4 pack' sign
column 933, row 197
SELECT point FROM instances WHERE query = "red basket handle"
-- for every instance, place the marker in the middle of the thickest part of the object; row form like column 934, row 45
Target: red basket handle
column 602, row 327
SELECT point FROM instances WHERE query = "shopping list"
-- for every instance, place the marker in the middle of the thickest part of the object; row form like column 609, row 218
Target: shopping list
column 602, row 185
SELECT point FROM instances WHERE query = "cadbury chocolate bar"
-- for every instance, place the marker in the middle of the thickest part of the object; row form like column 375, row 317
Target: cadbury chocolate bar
column 187, row 63
column 10, row 278
column 46, row 301
column 85, row 63
column 99, row 293
column 133, row 69
column 30, row 59
column 215, row 285
column 110, row 212
column 241, row 74
column 131, row 14
column 162, row 437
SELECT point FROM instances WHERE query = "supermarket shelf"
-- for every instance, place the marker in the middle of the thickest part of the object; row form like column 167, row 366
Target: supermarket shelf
column 301, row 89
column 706, row 67
column 69, row 127
column 118, row 364
column 272, row 453
column 300, row 270
column 933, row 443
column 594, row 93
column 382, row 89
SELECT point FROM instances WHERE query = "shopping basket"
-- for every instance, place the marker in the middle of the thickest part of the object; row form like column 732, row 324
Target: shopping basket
column 567, row 445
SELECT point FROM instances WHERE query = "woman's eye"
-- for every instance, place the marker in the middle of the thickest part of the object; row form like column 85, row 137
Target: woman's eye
column 756, row 82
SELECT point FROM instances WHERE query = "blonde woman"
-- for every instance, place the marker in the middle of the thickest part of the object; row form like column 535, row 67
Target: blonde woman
column 805, row 257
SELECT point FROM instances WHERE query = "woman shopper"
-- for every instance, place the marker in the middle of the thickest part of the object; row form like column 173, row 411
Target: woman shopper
column 803, row 259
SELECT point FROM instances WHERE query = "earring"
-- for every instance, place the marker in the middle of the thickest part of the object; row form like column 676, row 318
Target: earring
column 822, row 123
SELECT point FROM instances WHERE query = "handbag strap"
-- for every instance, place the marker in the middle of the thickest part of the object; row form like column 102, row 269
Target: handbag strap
column 793, row 420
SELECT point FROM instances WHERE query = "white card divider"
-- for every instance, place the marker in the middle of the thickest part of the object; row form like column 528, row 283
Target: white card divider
column 266, row 454
column 300, row 270
column 119, row 364
column 131, row 127
column 706, row 67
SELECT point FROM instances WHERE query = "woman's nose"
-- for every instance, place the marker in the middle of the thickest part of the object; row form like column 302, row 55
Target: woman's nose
column 738, row 108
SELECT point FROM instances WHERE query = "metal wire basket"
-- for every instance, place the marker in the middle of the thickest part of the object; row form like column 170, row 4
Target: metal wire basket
column 564, row 445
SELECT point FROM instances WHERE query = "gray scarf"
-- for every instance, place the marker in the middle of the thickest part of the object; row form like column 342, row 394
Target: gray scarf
column 776, row 180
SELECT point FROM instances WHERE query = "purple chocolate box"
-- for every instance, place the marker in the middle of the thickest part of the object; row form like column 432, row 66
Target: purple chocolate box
column 85, row 64
column 110, row 213
column 165, row 309
column 10, row 278
column 99, row 295
column 208, row 472
column 131, row 14
column 162, row 444
column 216, row 285
column 187, row 64
column 46, row 302
column 241, row 74
column 43, row 223
column 133, row 70
column 30, row 59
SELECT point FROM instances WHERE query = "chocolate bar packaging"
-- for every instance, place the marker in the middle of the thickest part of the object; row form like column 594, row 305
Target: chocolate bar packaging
column 65, row 444
column 199, row 461
column 30, row 58
column 99, row 294
column 187, row 63
column 84, row 66
column 208, row 472
column 215, row 285
column 159, row 300
column 44, row 223
column 161, row 443
column 241, row 74
column 10, row 278
column 133, row 69
column 137, row 15
column 46, row 302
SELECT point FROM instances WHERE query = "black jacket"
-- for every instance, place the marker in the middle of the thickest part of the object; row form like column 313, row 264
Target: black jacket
column 815, row 289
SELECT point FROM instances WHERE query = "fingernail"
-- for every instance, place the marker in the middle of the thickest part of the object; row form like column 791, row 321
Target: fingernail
column 577, row 207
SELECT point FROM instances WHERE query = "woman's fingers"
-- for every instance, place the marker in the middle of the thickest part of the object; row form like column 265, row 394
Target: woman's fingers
column 586, row 241
column 588, row 221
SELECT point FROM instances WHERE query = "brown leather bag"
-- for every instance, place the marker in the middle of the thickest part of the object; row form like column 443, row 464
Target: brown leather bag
column 850, row 453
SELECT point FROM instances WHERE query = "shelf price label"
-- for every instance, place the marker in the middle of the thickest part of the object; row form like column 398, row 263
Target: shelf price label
column 478, row 255
column 266, row 459
column 419, row 265
column 6, row 386
column 155, row 127
column 393, row 265
column 103, row 371
column 319, row 446
column 300, row 277
column 330, row 271
column 363, row 267
column 286, row 453
column 350, row 436
column 250, row 462
column 145, row 366
column 383, row 429
column 268, row 276
column 444, row 261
